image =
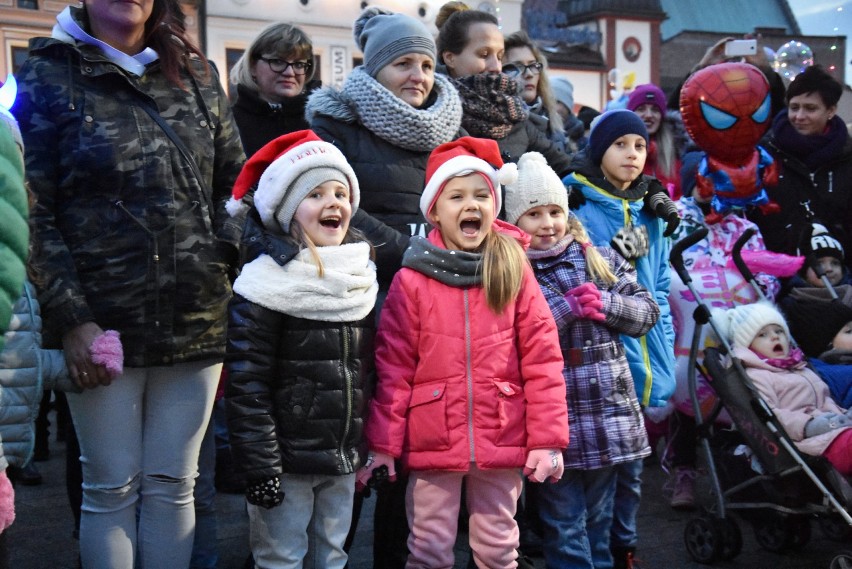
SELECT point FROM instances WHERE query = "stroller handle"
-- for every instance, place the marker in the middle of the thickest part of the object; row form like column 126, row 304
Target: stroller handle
column 676, row 256
column 736, row 253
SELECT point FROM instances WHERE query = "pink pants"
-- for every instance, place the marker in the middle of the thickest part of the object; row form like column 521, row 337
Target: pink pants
column 432, row 502
column 839, row 453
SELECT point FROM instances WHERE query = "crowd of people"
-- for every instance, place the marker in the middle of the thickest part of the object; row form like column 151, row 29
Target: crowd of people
column 435, row 283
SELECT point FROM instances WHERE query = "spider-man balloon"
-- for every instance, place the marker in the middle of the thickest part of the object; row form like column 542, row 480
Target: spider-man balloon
column 725, row 109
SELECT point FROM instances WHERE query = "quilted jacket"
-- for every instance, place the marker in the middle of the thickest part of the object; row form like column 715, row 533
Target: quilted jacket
column 459, row 384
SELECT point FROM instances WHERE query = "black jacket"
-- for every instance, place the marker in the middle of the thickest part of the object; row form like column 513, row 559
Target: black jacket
column 259, row 123
column 297, row 389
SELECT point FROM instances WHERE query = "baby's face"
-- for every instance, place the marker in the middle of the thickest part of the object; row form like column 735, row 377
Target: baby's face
column 771, row 342
column 843, row 339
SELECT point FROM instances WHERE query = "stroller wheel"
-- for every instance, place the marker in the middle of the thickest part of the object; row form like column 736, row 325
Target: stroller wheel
column 842, row 561
column 703, row 539
column 773, row 533
column 732, row 538
column 835, row 528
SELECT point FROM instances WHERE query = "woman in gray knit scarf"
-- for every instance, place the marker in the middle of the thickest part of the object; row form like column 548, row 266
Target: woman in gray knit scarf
column 391, row 113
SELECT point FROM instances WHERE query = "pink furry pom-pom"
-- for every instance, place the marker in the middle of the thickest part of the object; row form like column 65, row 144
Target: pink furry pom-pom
column 775, row 264
column 7, row 502
column 106, row 350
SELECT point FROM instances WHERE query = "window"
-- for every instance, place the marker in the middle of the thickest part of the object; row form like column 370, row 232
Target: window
column 28, row 4
column 19, row 55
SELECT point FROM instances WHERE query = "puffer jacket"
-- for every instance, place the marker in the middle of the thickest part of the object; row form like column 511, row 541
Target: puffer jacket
column 297, row 389
column 460, row 384
column 25, row 371
column 14, row 238
column 606, row 421
column 526, row 136
column 795, row 396
column 604, row 212
column 130, row 239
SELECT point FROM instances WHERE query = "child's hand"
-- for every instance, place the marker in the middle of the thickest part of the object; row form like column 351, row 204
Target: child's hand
column 585, row 302
column 543, row 463
column 825, row 423
column 265, row 493
column 378, row 470
column 7, row 502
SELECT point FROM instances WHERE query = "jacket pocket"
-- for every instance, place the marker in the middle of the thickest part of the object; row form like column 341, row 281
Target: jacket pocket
column 511, row 413
column 427, row 418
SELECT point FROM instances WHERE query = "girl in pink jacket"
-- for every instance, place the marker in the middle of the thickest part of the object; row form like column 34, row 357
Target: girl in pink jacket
column 797, row 396
column 470, row 370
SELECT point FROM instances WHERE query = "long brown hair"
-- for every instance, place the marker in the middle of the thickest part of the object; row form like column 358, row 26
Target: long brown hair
column 165, row 33
column 520, row 39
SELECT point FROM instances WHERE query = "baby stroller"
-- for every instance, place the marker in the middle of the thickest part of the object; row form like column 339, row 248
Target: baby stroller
column 755, row 471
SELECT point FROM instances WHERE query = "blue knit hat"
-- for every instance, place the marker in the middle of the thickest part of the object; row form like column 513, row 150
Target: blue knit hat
column 610, row 126
column 383, row 36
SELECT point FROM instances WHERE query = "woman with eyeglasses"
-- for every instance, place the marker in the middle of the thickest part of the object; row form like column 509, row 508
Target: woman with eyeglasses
column 391, row 113
column 523, row 61
column 273, row 77
column 471, row 48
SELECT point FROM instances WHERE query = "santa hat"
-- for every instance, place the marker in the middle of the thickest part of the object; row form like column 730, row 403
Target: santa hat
column 537, row 184
column 285, row 171
column 740, row 325
column 462, row 157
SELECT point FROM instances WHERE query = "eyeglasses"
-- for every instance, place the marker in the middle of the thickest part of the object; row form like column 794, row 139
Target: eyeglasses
column 515, row 69
column 281, row 65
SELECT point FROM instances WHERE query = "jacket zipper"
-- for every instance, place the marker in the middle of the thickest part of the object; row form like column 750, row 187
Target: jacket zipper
column 347, row 388
column 469, row 373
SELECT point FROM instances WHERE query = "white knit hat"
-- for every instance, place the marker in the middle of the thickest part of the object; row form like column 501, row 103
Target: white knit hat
column 537, row 185
column 462, row 157
column 741, row 324
column 285, row 171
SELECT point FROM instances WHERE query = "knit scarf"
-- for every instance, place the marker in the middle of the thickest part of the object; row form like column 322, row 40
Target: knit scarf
column 793, row 359
column 813, row 150
column 345, row 293
column 453, row 268
column 554, row 251
column 491, row 104
column 392, row 119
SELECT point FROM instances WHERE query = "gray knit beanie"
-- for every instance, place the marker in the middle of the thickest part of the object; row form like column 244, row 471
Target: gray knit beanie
column 383, row 36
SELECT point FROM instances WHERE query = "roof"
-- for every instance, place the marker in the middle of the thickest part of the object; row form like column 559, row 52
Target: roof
column 727, row 16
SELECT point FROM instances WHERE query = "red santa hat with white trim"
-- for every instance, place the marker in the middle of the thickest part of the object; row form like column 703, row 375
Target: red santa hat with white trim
column 462, row 157
column 285, row 171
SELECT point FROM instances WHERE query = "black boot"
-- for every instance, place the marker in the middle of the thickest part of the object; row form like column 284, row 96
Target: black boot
column 27, row 475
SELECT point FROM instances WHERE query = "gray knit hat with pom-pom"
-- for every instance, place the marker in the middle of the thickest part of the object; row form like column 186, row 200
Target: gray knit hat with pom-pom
column 383, row 36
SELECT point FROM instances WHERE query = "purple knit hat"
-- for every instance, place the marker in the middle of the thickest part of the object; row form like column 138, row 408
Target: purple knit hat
column 647, row 93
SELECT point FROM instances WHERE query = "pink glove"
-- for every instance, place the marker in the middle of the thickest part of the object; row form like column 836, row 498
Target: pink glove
column 106, row 350
column 543, row 463
column 585, row 302
column 7, row 502
column 367, row 475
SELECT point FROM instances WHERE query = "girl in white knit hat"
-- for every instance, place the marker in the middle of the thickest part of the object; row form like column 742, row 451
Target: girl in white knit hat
column 300, row 351
column 594, row 296
column 797, row 396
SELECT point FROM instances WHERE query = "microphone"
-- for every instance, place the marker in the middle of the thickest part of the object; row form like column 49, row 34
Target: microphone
column 663, row 207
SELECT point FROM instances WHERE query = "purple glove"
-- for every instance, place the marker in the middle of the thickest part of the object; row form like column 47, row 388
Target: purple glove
column 585, row 302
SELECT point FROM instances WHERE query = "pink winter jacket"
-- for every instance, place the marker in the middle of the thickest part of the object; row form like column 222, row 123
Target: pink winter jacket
column 795, row 396
column 459, row 384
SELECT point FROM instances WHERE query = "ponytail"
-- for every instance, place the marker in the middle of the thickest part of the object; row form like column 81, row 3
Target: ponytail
column 503, row 262
column 596, row 266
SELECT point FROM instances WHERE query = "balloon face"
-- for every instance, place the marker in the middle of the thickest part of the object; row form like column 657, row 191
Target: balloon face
column 791, row 59
column 726, row 110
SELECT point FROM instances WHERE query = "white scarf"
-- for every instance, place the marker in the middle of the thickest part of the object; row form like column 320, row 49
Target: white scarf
column 68, row 30
column 346, row 292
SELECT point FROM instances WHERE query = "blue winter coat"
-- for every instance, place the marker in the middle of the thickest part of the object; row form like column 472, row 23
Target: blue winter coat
column 651, row 356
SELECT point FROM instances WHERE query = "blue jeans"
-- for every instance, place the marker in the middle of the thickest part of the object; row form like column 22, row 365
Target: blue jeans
column 576, row 515
column 139, row 442
column 205, row 554
column 308, row 528
column 628, row 493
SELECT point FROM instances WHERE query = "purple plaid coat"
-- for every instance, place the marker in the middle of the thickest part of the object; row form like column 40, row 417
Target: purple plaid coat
column 603, row 410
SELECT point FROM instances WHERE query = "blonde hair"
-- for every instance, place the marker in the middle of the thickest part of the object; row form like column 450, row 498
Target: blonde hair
column 503, row 263
column 596, row 266
column 303, row 241
column 667, row 154
column 280, row 39
column 520, row 39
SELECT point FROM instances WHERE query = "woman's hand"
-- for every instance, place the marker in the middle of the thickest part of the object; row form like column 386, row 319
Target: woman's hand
column 82, row 370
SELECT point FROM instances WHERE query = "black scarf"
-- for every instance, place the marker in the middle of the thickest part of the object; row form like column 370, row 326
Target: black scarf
column 813, row 150
column 491, row 104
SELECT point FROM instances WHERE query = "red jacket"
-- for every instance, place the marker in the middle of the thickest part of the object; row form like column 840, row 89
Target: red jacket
column 458, row 384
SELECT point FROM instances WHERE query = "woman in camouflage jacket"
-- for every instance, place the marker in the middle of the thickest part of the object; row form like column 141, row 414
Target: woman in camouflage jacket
column 135, row 238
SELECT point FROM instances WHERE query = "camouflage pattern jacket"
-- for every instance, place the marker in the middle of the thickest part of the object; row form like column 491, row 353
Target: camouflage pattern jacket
column 128, row 237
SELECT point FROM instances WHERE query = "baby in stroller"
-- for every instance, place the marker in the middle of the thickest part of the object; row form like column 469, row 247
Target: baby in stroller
column 796, row 395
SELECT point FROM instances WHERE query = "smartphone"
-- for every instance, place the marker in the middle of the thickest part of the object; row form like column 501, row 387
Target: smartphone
column 738, row 48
